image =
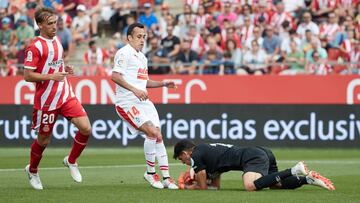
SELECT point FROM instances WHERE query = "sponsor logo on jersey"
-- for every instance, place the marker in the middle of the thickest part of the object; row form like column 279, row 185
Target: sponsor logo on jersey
column 56, row 64
column 142, row 74
column 29, row 56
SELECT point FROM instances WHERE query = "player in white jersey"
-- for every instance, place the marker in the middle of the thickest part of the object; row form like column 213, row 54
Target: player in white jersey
column 130, row 73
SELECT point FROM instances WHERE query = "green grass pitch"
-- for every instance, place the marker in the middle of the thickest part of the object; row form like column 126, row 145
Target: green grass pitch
column 116, row 175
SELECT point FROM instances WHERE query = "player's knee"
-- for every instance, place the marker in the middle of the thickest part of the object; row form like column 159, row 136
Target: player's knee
column 249, row 186
column 154, row 133
column 86, row 130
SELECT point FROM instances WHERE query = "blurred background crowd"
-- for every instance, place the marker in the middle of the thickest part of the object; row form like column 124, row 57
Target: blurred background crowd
column 244, row 37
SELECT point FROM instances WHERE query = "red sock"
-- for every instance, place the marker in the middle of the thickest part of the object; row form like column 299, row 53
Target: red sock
column 79, row 145
column 35, row 156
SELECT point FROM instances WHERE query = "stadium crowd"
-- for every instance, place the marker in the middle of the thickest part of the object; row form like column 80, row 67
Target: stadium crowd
column 242, row 37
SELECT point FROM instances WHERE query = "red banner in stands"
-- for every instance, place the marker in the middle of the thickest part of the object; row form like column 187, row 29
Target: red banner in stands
column 209, row 89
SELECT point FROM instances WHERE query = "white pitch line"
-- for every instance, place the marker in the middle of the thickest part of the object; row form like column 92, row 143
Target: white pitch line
column 348, row 162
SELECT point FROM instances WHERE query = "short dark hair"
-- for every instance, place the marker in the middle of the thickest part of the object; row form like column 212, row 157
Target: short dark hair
column 42, row 14
column 132, row 27
column 182, row 145
column 92, row 42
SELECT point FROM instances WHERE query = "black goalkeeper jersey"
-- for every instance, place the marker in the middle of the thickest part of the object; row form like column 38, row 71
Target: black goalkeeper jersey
column 217, row 158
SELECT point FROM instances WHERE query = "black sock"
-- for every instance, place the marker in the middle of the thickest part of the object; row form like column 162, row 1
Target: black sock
column 293, row 182
column 271, row 179
column 164, row 178
column 150, row 173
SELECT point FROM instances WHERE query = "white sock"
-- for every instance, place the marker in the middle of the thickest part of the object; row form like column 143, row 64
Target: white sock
column 150, row 151
column 162, row 158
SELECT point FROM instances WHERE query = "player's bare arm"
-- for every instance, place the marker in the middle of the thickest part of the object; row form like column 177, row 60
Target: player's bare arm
column 200, row 183
column 32, row 76
column 119, row 79
column 155, row 84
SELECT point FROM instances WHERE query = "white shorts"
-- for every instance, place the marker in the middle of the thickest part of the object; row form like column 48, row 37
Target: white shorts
column 137, row 113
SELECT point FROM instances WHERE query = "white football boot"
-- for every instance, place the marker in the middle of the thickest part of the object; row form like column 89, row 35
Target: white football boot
column 315, row 178
column 74, row 171
column 300, row 169
column 154, row 180
column 170, row 184
column 34, row 179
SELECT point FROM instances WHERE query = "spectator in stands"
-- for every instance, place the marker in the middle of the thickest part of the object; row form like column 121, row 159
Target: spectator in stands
column 328, row 30
column 7, row 36
column 307, row 24
column 214, row 28
column 295, row 60
column 186, row 60
column 256, row 36
column 321, row 8
column 157, row 58
column 247, row 30
column 30, row 14
column 211, row 59
column 65, row 37
column 70, row 6
column 162, row 19
column 24, row 31
column 187, row 11
column 235, row 53
column 148, row 18
column 54, row 4
column 64, row 16
column 286, row 41
column 171, row 43
column 227, row 66
column 255, row 61
column 321, row 52
column 93, row 9
column 318, row 65
column 201, row 17
column 130, row 19
column 5, row 68
column 230, row 34
column 281, row 16
column 81, row 24
column 226, row 14
column 246, row 12
column 295, row 8
column 184, row 27
column 262, row 16
column 271, row 44
column 306, row 42
column 95, row 58
column 197, row 41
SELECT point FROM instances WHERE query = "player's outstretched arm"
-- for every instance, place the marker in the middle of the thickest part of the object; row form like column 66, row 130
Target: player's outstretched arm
column 155, row 84
column 32, row 76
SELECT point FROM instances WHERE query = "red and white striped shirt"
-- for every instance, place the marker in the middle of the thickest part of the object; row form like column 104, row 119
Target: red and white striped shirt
column 45, row 56
column 319, row 4
column 278, row 19
column 329, row 31
column 246, row 33
column 348, row 3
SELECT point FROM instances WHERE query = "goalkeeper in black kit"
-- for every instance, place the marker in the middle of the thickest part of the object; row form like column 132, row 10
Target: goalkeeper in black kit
column 209, row 161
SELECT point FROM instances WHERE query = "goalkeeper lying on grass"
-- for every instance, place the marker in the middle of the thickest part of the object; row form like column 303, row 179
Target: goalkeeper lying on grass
column 209, row 161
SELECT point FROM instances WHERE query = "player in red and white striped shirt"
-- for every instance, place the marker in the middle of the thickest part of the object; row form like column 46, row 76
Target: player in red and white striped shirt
column 44, row 65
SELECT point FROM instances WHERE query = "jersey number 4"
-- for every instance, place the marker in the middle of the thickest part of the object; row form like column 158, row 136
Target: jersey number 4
column 133, row 112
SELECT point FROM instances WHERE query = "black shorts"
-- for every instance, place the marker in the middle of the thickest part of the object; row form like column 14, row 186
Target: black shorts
column 260, row 160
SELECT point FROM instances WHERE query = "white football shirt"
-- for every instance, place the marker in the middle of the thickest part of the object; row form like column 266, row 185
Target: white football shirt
column 133, row 67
